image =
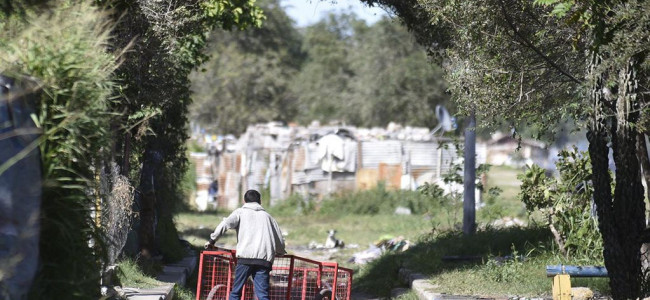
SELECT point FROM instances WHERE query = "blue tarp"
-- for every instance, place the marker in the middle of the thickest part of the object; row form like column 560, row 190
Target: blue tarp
column 20, row 188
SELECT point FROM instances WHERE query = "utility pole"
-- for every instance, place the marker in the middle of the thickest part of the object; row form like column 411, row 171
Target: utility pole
column 469, row 178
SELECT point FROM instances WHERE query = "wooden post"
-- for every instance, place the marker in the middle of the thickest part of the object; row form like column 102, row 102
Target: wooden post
column 562, row 287
column 469, row 207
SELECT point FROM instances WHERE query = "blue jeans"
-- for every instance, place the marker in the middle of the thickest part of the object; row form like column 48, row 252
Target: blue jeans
column 260, row 275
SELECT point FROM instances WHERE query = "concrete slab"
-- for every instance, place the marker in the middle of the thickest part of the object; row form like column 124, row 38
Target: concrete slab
column 173, row 277
column 164, row 292
column 189, row 263
column 175, row 269
column 171, row 274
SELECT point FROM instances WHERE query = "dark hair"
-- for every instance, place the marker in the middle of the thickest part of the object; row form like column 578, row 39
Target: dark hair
column 252, row 196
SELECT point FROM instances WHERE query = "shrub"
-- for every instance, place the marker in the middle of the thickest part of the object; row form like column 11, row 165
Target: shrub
column 566, row 203
column 65, row 51
column 379, row 200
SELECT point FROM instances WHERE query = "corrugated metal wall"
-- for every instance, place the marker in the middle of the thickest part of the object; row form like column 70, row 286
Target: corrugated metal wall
column 375, row 152
column 269, row 157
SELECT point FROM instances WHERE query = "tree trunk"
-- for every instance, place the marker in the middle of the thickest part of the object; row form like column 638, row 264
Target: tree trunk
column 621, row 218
column 629, row 206
column 644, row 161
column 150, row 165
column 601, row 179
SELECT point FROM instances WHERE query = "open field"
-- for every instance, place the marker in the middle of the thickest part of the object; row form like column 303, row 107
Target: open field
column 357, row 231
column 435, row 233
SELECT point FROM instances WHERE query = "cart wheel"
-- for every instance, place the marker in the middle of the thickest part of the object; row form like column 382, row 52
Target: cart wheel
column 213, row 292
column 324, row 295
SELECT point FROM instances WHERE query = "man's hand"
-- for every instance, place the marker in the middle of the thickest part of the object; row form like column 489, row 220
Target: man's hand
column 209, row 244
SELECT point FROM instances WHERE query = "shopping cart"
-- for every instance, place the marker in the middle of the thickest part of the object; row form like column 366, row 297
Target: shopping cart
column 291, row 277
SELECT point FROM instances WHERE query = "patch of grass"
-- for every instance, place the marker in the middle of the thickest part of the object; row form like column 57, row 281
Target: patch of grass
column 379, row 200
column 195, row 227
column 435, row 232
column 505, row 178
column 131, row 275
column 490, row 274
column 183, row 293
column 361, row 230
column 409, row 296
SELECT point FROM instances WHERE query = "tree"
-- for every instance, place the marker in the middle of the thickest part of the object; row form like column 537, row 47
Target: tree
column 323, row 84
column 165, row 42
column 394, row 80
column 93, row 113
column 247, row 80
column 367, row 75
column 525, row 59
column 63, row 50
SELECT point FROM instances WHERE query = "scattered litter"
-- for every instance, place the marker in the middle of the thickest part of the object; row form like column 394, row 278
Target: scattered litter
column 368, row 255
column 314, row 245
column 401, row 210
column 506, row 222
column 332, row 241
column 385, row 243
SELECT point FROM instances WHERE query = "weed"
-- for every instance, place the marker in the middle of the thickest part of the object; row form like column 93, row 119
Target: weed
column 566, row 203
column 505, row 269
column 131, row 275
column 183, row 293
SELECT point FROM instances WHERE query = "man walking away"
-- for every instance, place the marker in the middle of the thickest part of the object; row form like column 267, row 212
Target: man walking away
column 259, row 240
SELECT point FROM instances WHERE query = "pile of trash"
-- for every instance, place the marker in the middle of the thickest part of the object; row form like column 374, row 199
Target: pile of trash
column 384, row 244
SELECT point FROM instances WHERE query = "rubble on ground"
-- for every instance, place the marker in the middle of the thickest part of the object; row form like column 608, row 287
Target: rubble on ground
column 384, row 244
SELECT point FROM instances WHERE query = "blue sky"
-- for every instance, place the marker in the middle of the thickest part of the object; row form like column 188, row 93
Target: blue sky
column 307, row 12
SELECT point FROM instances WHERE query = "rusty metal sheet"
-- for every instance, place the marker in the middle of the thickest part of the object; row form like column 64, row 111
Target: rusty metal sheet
column 391, row 175
column 231, row 190
column 367, row 178
column 299, row 157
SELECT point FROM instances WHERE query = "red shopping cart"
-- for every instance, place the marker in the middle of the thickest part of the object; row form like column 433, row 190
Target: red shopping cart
column 292, row 277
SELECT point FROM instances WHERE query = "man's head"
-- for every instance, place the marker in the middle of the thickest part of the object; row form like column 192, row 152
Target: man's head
column 252, row 196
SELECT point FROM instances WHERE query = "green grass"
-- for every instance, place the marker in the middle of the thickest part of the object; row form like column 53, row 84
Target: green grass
column 484, row 276
column 183, row 293
column 361, row 230
column 131, row 275
column 506, row 204
column 434, row 229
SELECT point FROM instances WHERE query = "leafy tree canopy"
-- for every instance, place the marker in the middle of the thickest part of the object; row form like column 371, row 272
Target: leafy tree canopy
column 339, row 69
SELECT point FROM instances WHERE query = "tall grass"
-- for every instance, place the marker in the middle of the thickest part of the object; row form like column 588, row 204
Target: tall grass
column 376, row 201
column 65, row 51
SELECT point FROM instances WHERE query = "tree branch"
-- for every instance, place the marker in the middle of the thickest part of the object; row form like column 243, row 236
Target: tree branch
column 530, row 45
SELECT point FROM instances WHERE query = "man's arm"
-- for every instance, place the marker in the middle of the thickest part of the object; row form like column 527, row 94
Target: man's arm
column 279, row 239
column 230, row 222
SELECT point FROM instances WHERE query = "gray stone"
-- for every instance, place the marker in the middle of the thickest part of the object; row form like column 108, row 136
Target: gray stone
column 581, row 293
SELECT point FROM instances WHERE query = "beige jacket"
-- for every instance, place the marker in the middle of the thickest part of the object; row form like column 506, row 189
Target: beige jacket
column 258, row 234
